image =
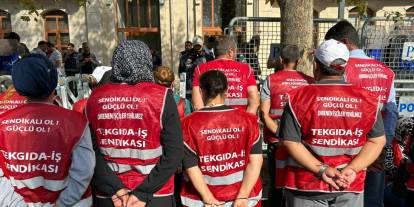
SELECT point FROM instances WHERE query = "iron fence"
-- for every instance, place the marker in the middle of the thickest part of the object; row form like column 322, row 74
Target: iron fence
column 391, row 41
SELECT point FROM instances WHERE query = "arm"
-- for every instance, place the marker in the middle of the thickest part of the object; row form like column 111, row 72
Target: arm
column 8, row 196
column 390, row 121
column 196, row 177
column 269, row 122
column 197, row 99
column 253, row 99
column 80, row 172
column 251, row 175
column 369, row 153
column 302, row 155
column 172, row 153
column 196, row 95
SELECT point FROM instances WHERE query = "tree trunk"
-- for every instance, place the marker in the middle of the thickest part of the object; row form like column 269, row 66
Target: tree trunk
column 297, row 28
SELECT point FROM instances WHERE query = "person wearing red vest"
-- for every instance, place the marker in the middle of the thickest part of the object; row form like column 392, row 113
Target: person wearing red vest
column 46, row 155
column 332, row 131
column 10, row 99
column 242, row 93
column 410, row 168
column 164, row 76
column 378, row 78
column 272, row 103
column 137, row 133
column 80, row 105
column 223, row 153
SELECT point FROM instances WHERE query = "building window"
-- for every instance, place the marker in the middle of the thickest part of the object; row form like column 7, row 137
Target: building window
column 140, row 19
column 5, row 23
column 410, row 12
column 212, row 17
column 57, row 28
column 357, row 19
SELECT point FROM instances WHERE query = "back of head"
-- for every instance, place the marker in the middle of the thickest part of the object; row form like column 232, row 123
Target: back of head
column 223, row 45
column 331, row 58
column 343, row 30
column 290, row 54
column 12, row 36
column 164, row 76
column 34, row 76
column 40, row 43
column 213, row 83
column 132, row 63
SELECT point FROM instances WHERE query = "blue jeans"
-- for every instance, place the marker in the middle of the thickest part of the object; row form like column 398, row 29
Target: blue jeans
column 374, row 189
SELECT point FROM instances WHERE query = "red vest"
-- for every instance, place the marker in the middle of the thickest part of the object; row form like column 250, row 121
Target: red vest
column 10, row 99
column 280, row 83
column 237, row 74
column 222, row 141
column 127, row 122
column 80, row 105
column 36, row 146
column 371, row 75
column 334, row 121
column 181, row 108
column 410, row 169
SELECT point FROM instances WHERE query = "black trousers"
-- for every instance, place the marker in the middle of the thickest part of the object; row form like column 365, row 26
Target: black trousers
column 409, row 198
column 275, row 195
column 167, row 201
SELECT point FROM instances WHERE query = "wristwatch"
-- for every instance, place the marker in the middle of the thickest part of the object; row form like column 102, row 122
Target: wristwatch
column 323, row 169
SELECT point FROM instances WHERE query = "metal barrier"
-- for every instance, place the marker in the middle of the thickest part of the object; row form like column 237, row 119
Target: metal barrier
column 71, row 89
column 258, row 40
column 392, row 42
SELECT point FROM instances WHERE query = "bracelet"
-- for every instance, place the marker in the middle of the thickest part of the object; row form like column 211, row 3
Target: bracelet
column 119, row 197
column 241, row 199
column 322, row 170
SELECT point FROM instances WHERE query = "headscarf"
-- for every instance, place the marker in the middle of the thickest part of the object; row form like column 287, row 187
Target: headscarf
column 34, row 76
column 132, row 63
column 404, row 127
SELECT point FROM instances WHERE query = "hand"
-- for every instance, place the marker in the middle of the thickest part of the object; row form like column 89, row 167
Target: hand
column 349, row 176
column 212, row 202
column 330, row 176
column 120, row 198
column 240, row 203
column 133, row 201
column 87, row 59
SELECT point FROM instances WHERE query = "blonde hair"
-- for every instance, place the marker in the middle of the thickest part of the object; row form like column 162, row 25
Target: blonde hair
column 164, row 76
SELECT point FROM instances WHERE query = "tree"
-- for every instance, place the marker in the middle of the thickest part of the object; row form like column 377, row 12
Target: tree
column 296, row 28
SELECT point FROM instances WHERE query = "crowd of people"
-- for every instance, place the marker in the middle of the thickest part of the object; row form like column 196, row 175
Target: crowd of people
column 70, row 63
column 135, row 142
